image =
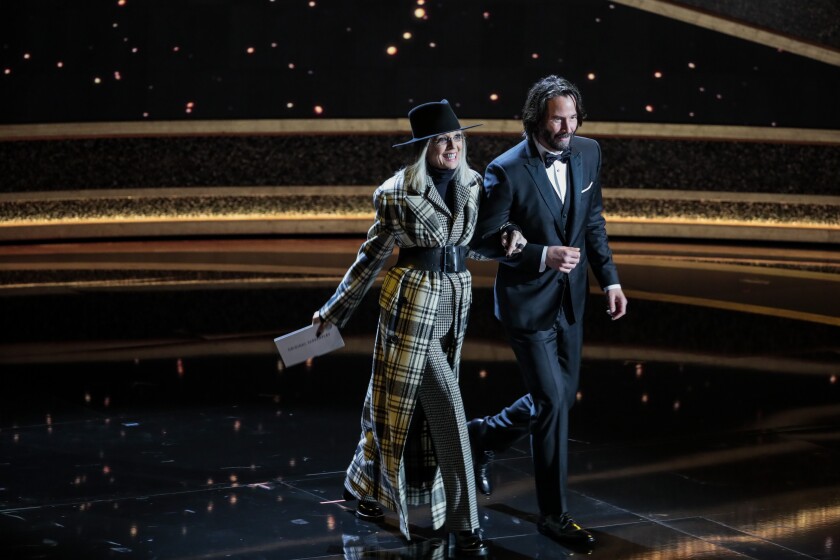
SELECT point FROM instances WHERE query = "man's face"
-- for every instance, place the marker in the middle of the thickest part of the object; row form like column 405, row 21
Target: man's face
column 445, row 150
column 559, row 123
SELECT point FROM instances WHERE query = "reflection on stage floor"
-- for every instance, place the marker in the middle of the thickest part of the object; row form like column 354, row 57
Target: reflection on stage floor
column 229, row 457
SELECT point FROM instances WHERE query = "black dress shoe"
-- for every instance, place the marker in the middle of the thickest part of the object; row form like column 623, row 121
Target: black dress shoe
column 466, row 544
column 564, row 529
column 482, row 459
column 483, row 469
column 369, row 510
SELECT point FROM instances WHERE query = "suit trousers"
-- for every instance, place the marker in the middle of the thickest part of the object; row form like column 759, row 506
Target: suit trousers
column 502, row 430
column 550, row 365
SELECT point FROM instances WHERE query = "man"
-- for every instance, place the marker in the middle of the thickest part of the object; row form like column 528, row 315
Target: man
column 548, row 186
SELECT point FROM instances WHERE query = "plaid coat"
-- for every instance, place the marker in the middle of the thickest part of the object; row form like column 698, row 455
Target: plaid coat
column 395, row 461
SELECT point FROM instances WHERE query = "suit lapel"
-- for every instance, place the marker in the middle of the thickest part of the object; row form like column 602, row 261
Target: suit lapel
column 576, row 187
column 536, row 168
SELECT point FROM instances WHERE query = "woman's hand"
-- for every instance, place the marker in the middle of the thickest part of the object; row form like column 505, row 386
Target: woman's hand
column 513, row 241
column 322, row 325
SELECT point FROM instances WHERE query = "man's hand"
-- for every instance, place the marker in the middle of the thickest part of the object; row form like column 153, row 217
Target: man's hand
column 561, row 258
column 616, row 303
column 513, row 242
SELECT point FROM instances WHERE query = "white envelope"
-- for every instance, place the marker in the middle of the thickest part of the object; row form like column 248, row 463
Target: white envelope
column 302, row 344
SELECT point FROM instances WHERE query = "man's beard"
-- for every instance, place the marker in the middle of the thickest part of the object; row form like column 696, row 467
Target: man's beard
column 557, row 142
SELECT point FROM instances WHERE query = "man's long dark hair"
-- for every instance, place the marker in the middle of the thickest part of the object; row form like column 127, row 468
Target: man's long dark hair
column 538, row 96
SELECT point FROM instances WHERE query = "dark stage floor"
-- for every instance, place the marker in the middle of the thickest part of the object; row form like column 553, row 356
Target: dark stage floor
column 699, row 433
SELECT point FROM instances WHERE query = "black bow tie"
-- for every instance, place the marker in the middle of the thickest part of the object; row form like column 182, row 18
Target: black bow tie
column 562, row 157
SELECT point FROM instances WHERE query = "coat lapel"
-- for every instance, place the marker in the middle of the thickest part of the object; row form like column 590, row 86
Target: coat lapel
column 424, row 214
column 462, row 194
column 469, row 206
column 434, row 197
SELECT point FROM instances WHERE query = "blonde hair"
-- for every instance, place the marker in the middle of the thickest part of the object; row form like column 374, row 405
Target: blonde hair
column 416, row 175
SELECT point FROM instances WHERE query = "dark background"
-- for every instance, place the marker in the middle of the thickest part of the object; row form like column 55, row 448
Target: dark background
column 154, row 57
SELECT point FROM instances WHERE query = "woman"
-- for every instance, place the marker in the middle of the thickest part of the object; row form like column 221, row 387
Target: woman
column 414, row 447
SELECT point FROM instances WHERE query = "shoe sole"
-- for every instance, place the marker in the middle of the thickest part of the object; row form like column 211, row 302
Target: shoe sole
column 370, row 518
column 453, row 553
column 580, row 541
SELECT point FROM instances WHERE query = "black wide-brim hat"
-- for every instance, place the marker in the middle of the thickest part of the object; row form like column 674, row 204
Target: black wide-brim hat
column 430, row 119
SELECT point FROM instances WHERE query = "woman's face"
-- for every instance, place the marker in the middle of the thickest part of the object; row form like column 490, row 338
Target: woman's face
column 445, row 150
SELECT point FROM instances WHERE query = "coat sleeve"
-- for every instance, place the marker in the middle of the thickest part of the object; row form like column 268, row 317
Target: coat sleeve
column 494, row 214
column 372, row 256
column 598, row 251
column 476, row 195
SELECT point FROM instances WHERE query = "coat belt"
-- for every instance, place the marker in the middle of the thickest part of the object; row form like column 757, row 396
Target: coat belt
column 450, row 258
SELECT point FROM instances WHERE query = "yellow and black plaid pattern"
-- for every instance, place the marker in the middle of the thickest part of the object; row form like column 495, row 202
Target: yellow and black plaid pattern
column 395, row 461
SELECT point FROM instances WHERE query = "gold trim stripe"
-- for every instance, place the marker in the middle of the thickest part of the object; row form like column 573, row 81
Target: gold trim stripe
column 474, row 350
column 367, row 191
column 357, row 225
column 279, row 127
column 736, row 306
column 735, row 29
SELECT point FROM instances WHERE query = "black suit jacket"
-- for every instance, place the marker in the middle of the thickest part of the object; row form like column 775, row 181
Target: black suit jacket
column 518, row 191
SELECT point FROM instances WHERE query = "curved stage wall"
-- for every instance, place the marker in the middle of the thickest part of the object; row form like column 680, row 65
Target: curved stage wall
column 100, row 180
